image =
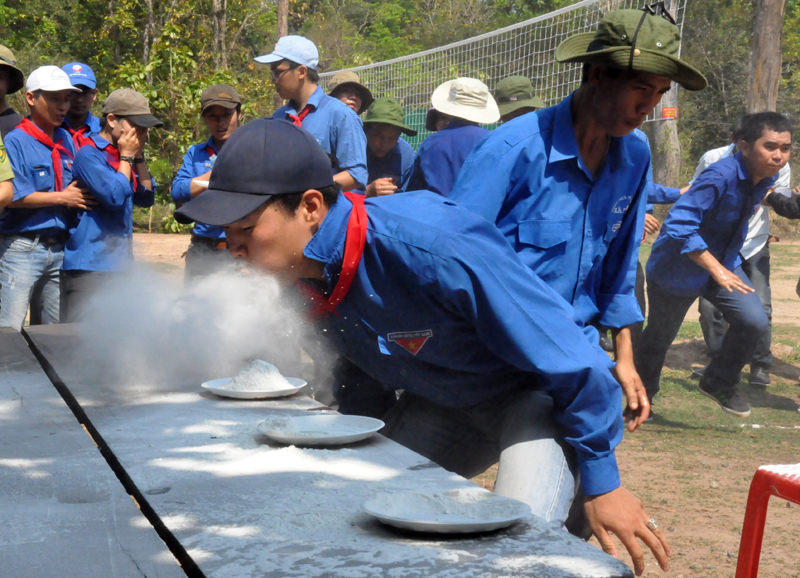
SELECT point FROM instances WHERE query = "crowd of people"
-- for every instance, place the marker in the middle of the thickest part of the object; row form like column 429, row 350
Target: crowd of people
column 463, row 287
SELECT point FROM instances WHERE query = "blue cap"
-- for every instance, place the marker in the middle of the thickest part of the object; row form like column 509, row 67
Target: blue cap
column 295, row 48
column 263, row 158
column 80, row 74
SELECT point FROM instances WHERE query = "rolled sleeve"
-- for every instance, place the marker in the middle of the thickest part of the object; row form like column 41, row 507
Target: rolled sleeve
column 683, row 222
column 693, row 243
column 350, row 147
column 599, row 475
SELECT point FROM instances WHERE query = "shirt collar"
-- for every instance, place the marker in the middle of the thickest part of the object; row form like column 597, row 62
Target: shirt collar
column 327, row 244
column 66, row 124
column 98, row 140
column 314, row 101
column 210, row 142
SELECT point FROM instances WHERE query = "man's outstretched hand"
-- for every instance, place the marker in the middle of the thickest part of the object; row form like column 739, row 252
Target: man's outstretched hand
column 621, row 513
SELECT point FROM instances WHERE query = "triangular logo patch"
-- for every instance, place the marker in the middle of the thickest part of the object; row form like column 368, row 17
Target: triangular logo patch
column 411, row 341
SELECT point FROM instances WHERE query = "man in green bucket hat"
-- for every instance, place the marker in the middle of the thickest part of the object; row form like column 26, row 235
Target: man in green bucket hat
column 514, row 96
column 567, row 186
column 390, row 159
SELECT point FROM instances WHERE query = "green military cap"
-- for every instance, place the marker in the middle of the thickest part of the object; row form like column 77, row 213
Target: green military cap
column 515, row 92
column 388, row 111
column 637, row 40
column 8, row 60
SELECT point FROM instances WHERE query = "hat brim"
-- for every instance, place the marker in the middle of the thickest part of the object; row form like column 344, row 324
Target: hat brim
column 366, row 95
column 218, row 208
column 509, row 107
column 488, row 115
column 269, row 58
column 403, row 128
column 575, row 49
column 144, row 120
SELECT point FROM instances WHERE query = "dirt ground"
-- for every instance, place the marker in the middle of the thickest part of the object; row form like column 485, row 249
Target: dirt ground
column 693, row 464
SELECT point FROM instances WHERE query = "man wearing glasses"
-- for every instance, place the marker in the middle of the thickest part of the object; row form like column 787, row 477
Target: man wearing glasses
column 337, row 129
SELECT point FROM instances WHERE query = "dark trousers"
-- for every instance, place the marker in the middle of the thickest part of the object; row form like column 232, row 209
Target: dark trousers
column 714, row 327
column 77, row 288
column 743, row 312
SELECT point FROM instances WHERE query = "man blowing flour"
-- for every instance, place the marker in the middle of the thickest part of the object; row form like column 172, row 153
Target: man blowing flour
column 429, row 298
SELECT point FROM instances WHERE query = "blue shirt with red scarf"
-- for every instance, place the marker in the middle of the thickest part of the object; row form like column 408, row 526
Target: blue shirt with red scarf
column 198, row 160
column 102, row 239
column 90, row 125
column 33, row 172
column 461, row 320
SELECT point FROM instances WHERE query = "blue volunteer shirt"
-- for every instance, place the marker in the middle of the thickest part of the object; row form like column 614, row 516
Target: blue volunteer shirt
column 33, row 172
column 460, row 320
column 338, row 131
column 197, row 161
column 441, row 156
column 579, row 233
column 398, row 163
column 659, row 194
column 713, row 215
column 102, row 239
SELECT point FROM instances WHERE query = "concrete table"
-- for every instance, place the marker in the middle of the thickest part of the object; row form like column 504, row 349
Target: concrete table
column 63, row 512
column 241, row 507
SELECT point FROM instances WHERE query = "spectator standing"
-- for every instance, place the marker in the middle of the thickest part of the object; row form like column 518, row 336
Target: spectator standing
column 390, row 159
column 467, row 103
column 80, row 121
column 347, row 87
column 11, row 80
column 221, row 109
column 336, row 128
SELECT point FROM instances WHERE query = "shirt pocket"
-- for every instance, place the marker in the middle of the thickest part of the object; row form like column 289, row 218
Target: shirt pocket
column 548, row 240
column 42, row 178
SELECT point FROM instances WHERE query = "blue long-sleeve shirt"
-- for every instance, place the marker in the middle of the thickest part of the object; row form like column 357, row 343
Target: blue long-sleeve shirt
column 398, row 163
column 712, row 215
column 197, row 161
column 102, row 239
column 338, row 131
column 33, row 172
column 659, row 194
column 488, row 323
column 441, row 156
column 579, row 233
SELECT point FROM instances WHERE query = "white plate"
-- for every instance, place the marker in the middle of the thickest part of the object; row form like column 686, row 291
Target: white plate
column 461, row 511
column 320, row 429
column 217, row 386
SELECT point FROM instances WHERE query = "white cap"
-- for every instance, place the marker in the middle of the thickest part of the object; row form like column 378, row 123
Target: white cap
column 466, row 98
column 294, row 48
column 49, row 79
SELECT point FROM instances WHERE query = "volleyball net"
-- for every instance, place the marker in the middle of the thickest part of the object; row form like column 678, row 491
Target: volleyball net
column 527, row 49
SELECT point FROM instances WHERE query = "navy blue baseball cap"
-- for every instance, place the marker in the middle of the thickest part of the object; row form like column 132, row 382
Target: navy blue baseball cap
column 263, row 158
column 80, row 74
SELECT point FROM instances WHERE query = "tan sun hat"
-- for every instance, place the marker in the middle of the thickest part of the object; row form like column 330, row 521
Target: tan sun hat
column 8, row 60
column 348, row 79
column 466, row 98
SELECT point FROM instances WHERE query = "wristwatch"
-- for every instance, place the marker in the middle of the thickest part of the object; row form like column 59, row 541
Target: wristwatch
column 130, row 160
column 138, row 160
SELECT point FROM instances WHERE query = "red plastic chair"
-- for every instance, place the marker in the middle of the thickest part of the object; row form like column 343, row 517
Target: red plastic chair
column 780, row 481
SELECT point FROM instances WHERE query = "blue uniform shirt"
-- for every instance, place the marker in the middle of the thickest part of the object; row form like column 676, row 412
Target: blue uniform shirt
column 488, row 323
column 197, row 161
column 441, row 156
column 397, row 163
column 101, row 239
column 33, row 172
column 578, row 233
column 338, row 131
column 659, row 194
column 91, row 121
column 712, row 215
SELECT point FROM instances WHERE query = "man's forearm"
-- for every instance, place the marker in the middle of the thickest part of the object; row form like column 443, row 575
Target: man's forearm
column 623, row 344
column 37, row 200
column 705, row 259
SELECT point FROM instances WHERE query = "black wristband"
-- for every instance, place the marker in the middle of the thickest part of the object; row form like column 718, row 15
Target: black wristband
column 138, row 160
column 129, row 160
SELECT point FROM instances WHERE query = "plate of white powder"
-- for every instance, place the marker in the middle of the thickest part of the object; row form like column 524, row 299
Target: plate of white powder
column 259, row 380
column 320, row 429
column 462, row 511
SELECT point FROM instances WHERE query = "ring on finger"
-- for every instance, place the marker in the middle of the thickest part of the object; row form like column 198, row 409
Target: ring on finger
column 652, row 524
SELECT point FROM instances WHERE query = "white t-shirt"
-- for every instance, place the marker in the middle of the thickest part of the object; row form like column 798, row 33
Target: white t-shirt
column 758, row 227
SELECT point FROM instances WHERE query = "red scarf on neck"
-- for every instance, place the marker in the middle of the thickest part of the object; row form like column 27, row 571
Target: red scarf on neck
column 298, row 120
column 80, row 136
column 56, row 148
column 112, row 158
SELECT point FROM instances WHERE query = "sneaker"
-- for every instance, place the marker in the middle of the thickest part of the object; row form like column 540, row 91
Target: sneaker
column 759, row 377
column 698, row 372
column 729, row 400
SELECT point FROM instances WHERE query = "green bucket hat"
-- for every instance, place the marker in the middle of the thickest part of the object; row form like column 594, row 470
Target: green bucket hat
column 8, row 60
column 639, row 40
column 388, row 111
column 515, row 92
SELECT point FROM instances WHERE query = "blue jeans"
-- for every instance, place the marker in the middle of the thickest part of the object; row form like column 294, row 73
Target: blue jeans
column 28, row 266
column 757, row 270
column 743, row 312
column 515, row 428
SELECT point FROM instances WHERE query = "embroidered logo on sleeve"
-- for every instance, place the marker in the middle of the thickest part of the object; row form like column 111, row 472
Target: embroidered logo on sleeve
column 411, row 341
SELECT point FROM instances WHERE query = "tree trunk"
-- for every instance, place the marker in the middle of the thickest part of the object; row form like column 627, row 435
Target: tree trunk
column 114, row 32
column 282, row 8
column 666, row 150
column 149, row 35
column 220, row 26
column 765, row 55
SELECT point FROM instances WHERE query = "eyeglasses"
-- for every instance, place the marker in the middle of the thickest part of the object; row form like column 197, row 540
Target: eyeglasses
column 276, row 73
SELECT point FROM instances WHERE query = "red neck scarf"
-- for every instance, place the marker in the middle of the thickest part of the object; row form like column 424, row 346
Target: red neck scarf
column 112, row 158
column 211, row 152
column 80, row 136
column 298, row 120
column 56, row 148
column 353, row 251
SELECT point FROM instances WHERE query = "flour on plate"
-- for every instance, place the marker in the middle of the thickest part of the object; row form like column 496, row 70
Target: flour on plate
column 258, row 376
